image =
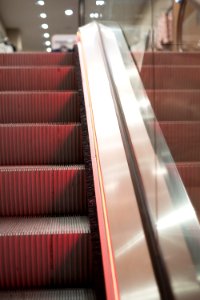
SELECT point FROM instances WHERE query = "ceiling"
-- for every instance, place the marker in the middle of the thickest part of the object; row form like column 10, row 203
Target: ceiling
column 24, row 15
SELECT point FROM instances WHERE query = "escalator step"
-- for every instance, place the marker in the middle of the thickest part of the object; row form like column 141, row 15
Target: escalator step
column 42, row 190
column 37, row 78
column 39, row 107
column 171, row 77
column 175, row 105
column 45, row 252
column 190, row 174
column 71, row 294
column 36, row 59
column 183, row 139
column 171, row 58
column 40, row 144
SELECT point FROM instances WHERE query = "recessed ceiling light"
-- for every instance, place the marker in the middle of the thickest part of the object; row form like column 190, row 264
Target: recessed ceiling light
column 44, row 26
column 94, row 15
column 43, row 15
column 100, row 2
column 46, row 35
column 69, row 12
column 40, row 3
column 48, row 49
column 47, row 43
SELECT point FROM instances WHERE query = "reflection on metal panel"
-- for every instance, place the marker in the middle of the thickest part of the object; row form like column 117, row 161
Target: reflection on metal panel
column 134, row 274
column 173, row 221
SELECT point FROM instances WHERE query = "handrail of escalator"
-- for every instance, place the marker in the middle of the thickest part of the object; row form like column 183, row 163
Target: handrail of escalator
column 165, row 209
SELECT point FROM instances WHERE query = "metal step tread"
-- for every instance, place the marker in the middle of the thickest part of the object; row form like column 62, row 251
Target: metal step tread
column 41, row 168
column 36, row 68
column 31, row 125
column 44, row 226
column 175, row 105
column 62, row 294
column 170, row 58
column 41, row 144
column 36, row 58
column 183, row 139
column 37, row 78
column 190, row 173
column 171, row 77
column 43, row 191
column 39, row 107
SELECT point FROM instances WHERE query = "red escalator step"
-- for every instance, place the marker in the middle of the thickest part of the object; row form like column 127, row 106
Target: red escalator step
column 36, row 59
column 171, row 58
column 183, row 139
column 68, row 294
column 40, row 144
column 37, row 78
column 39, row 107
column 190, row 174
column 175, row 105
column 171, row 77
column 42, row 190
column 45, row 252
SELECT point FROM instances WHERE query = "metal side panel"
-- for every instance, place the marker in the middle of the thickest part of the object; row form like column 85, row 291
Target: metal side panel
column 127, row 265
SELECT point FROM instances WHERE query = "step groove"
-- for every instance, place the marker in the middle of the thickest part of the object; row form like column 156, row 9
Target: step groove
column 183, row 139
column 171, row 77
column 39, row 107
column 69, row 294
column 45, row 252
column 42, row 190
column 40, row 144
column 175, row 105
column 36, row 59
column 37, row 78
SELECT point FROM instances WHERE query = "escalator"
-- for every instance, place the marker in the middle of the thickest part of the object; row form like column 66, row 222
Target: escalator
column 46, row 248
column 65, row 160
column 172, row 84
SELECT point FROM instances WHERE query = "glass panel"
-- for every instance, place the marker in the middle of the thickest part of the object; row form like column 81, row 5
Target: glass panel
column 167, row 89
column 169, row 205
column 191, row 26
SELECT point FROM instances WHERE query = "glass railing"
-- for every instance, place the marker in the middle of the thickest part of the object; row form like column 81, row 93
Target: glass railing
column 170, row 208
column 146, row 33
column 163, row 119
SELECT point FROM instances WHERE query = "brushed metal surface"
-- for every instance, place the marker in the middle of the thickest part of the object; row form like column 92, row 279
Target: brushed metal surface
column 174, row 219
column 174, row 224
column 132, row 265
